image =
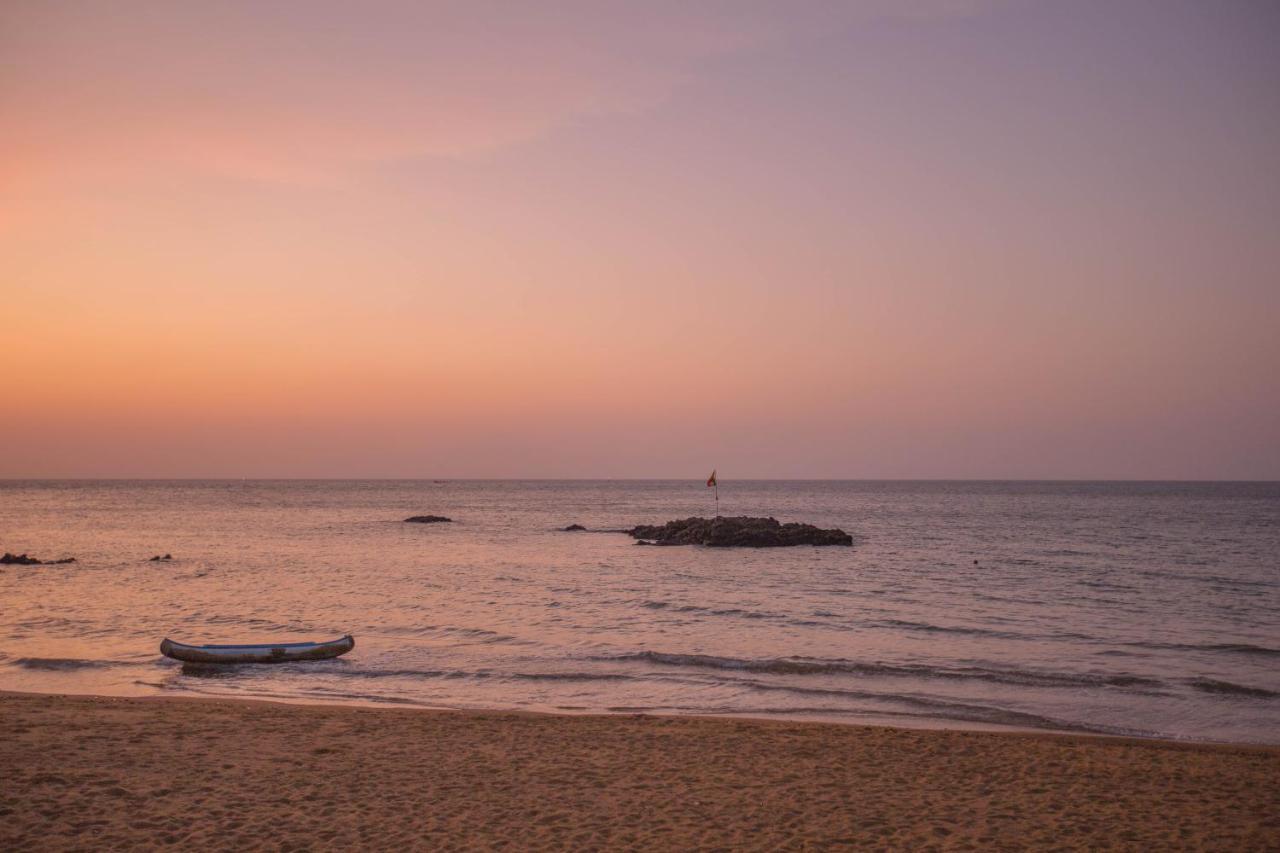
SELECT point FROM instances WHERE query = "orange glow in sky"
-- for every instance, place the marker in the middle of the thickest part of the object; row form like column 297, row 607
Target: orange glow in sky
column 1004, row 239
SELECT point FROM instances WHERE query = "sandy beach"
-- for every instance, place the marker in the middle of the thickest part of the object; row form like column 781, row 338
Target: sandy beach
column 112, row 773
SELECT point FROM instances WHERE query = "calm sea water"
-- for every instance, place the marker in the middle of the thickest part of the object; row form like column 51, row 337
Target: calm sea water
column 1135, row 608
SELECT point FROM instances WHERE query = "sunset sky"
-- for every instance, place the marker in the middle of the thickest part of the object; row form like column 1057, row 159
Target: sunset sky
column 599, row 239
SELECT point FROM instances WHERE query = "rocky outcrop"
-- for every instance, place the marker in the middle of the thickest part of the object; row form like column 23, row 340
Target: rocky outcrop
column 25, row 560
column 573, row 527
column 426, row 519
column 738, row 532
column 159, row 559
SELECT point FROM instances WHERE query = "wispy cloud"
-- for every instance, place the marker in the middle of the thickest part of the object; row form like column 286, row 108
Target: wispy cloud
column 307, row 92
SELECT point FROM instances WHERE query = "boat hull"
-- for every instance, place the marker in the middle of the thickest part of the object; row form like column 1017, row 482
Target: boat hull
column 257, row 653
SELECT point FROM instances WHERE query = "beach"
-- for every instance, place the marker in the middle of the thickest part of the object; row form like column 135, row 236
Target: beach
column 140, row 773
column 640, row 426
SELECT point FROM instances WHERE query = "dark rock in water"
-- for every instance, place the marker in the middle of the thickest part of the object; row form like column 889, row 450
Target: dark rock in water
column 25, row 560
column 427, row 519
column 572, row 527
column 740, row 531
column 159, row 558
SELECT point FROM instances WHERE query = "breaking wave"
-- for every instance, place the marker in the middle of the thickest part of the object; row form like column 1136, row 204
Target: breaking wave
column 1231, row 648
column 710, row 611
column 810, row 666
column 70, row 664
column 1209, row 685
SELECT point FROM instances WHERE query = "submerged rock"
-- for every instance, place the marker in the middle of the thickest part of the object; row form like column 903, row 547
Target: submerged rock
column 26, row 560
column 573, row 527
column 739, row 531
column 160, row 559
column 426, row 519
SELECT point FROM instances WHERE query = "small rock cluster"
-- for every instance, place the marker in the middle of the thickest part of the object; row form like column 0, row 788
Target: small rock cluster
column 25, row 560
column 739, row 531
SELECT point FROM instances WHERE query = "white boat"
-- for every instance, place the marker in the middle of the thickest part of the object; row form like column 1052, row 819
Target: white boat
column 257, row 652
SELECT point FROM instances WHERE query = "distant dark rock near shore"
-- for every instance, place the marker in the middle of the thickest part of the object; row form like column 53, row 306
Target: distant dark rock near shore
column 24, row 560
column 426, row 519
column 573, row 527
column 738, row 532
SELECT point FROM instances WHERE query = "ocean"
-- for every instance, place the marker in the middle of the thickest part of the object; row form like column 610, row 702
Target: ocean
column 1145, row 609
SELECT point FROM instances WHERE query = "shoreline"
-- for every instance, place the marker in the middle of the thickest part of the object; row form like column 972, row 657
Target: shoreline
column 244, row 773
column 407, row 706
column 913, row 724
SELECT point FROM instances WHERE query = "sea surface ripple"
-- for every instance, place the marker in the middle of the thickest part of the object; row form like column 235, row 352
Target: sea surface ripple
column 1147, row 609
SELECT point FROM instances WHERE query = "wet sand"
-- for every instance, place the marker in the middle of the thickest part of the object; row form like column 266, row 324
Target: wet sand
column 103, row 773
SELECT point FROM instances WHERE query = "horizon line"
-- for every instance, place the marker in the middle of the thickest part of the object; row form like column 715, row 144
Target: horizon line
column 135, row 479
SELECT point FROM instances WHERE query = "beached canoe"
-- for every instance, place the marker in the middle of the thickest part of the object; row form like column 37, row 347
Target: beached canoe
column 257, row 653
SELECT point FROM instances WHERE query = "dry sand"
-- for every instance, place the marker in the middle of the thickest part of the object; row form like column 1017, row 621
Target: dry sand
column 98, row 773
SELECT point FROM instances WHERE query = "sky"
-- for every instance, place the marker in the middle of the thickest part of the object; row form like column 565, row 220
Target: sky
column 953, row 239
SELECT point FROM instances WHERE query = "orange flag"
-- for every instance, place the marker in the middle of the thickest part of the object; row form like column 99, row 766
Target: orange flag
column 711, row 481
